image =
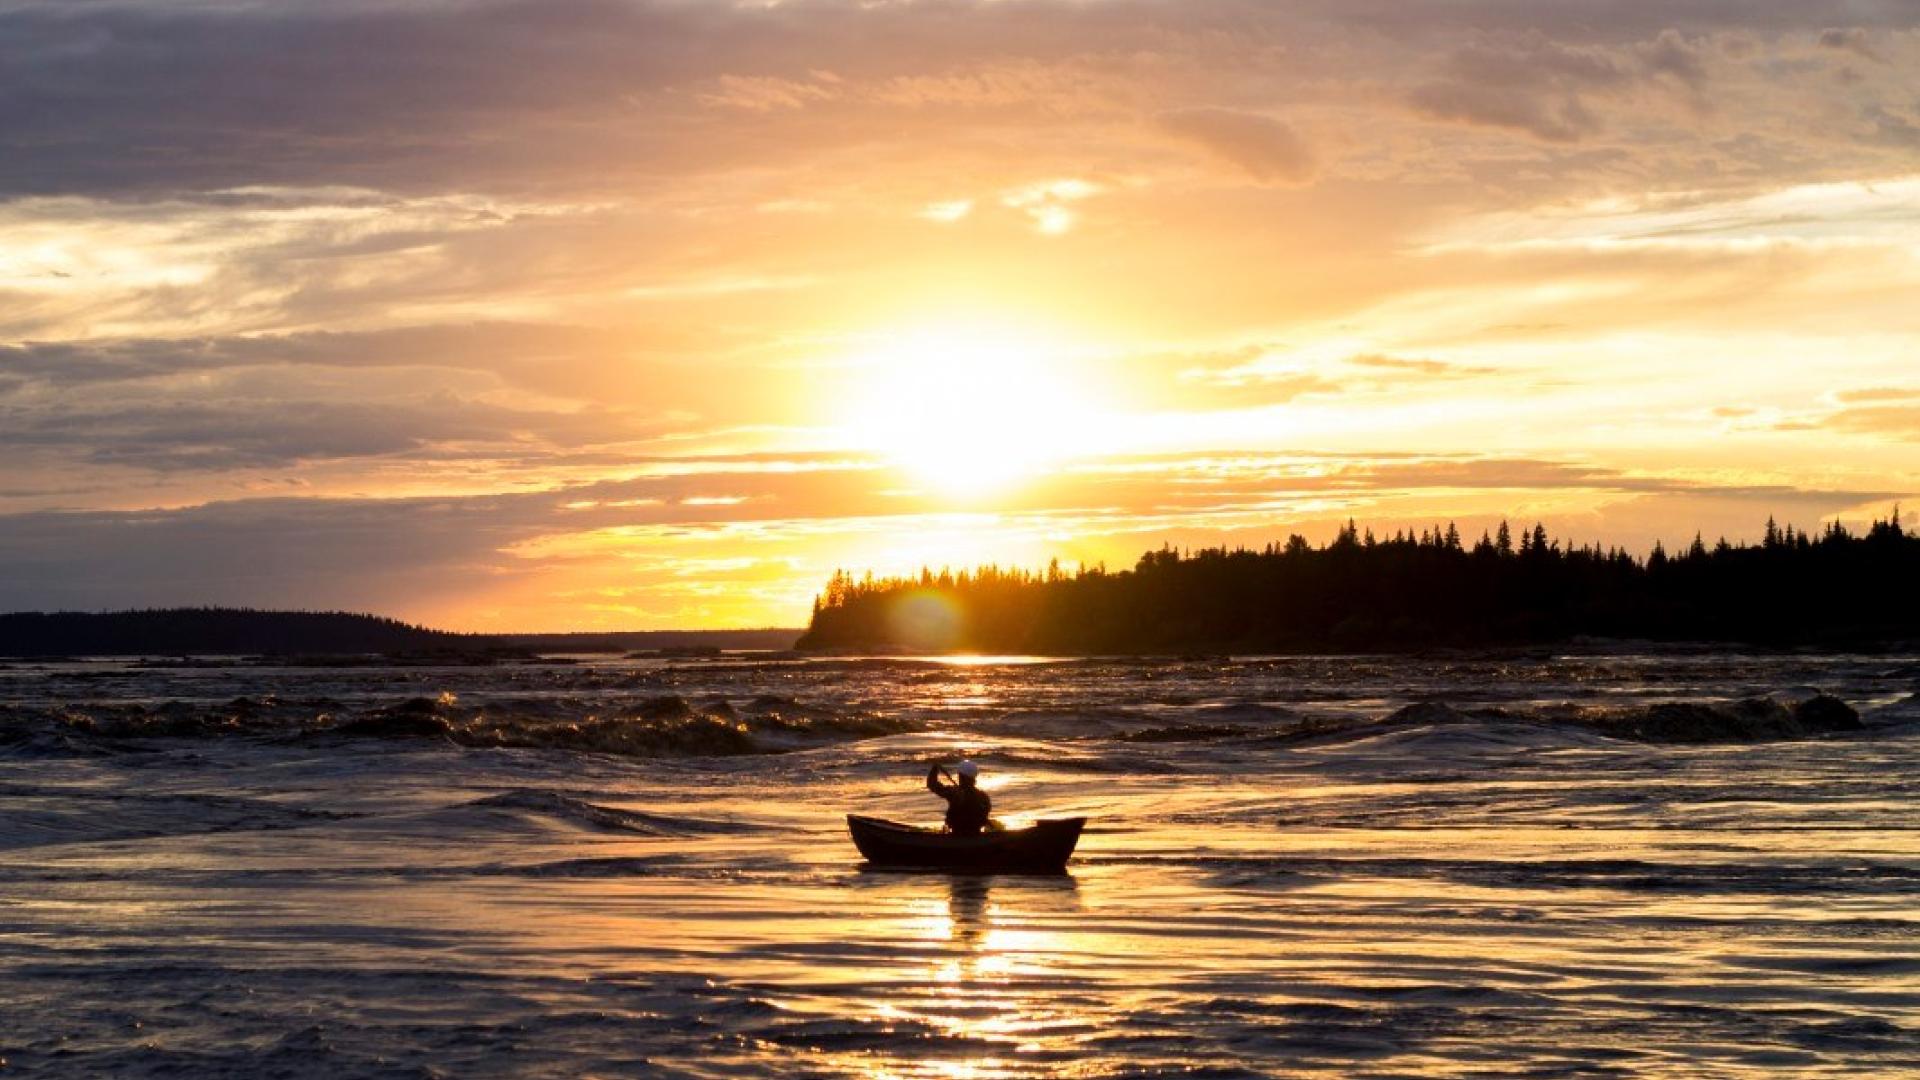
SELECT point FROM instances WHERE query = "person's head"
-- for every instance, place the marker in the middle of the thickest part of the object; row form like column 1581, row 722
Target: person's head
column 968, row 772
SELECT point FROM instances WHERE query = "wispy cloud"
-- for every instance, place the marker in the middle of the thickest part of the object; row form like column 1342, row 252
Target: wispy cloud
column 1883, row 212
column 1266, row 148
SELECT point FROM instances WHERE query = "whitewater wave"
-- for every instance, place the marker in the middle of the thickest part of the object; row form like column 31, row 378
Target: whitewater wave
column 658, row 726
column 663, row 726
column 1140, row 717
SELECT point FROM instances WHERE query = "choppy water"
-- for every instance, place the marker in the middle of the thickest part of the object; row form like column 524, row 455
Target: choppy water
column 600, row 870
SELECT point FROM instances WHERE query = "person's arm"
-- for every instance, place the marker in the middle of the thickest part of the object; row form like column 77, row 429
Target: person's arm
column 933, row 779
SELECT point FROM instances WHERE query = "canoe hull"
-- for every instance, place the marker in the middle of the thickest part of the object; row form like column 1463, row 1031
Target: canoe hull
column 1042, row 848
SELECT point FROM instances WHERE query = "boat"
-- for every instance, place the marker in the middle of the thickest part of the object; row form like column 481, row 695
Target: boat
column 1041, row 848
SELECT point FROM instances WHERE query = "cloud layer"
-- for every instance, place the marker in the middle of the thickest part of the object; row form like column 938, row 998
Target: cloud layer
column 505, row 313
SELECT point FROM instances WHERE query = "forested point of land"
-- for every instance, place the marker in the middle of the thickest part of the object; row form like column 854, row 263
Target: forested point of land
column 212, row 632
column 1834, row 588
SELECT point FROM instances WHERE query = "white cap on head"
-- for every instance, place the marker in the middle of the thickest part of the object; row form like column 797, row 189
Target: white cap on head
column 967, row 768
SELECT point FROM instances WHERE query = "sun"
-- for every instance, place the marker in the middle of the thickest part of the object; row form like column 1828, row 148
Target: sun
column 970, row 410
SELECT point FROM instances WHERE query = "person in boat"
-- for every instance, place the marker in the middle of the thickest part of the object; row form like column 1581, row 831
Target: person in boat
column 968, row 808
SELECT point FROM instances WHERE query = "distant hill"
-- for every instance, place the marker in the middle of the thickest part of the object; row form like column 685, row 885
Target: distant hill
column 212, row 631
column 246, row 632
column 1405, row 592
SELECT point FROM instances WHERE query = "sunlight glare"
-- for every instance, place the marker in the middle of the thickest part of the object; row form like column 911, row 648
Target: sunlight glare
column 968, row 411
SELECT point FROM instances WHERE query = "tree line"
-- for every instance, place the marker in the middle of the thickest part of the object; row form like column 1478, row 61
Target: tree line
column 211, row 631
column 1360, row 592
column 214, row 631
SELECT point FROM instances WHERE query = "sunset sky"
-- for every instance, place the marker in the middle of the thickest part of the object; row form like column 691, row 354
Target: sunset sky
column 626, row 314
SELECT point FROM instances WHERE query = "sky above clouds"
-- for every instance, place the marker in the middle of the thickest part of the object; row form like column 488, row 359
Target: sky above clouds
column 636, row 314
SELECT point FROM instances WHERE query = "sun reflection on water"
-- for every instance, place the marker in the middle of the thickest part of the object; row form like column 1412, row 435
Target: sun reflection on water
column 990, row 957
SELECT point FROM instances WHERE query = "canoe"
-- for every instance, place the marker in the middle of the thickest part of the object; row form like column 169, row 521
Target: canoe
column 1041, row 848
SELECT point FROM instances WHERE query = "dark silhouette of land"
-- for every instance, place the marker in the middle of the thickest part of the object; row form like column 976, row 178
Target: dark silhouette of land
column 247, row 632
column 1358, row 593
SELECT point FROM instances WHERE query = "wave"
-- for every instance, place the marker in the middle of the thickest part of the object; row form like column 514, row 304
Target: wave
column 1464, row 743
column 1439, row 726
column 610, row 867
column 603, row 713
column 1901, row 714
column 1864, row 877
column 1062, row 723
column 1146, row 721
column 658, row 726
column 1176, row 733
column 106, row 722
column 588, row 815
column 1251, row 713
column 37, row 817
column 662, row 726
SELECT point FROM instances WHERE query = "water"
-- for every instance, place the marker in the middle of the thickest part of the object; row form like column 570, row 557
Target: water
column 604, row 869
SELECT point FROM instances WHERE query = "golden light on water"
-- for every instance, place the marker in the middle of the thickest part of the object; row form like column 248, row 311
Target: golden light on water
column 1438, row 900
column 989, row 660
column 986, row 956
